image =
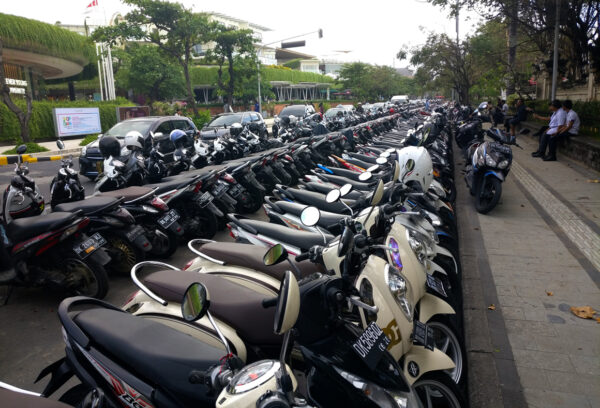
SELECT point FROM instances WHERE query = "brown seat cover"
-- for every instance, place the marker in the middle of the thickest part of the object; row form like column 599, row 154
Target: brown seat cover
column 11, row 399
column 130, row 193
column 251, row 256
column 231, row 303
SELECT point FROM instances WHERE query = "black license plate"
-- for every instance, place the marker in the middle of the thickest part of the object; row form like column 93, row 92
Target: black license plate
column 422, row 335
column 219, row 189
column 134, row 233
column 168, row 219
column 371, row 345
column 235, row 191
column 436, row 285
column 91, row 244
column 204, row 199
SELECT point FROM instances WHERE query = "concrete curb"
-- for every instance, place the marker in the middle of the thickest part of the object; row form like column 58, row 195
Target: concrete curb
column 39, row 157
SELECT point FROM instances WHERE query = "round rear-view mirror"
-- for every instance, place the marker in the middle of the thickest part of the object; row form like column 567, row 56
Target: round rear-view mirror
column 390, row 150
column 195, row 302
column 21, row 149
column 373, row 168
column 381, row 160
column 346, row 242
column 333, row 196
column 364, row 176
column 275, row 254
column 345, row 189
column 288, row 304
column 310, row 216
column 60, row 144
column 377, row 194
column 385, row 154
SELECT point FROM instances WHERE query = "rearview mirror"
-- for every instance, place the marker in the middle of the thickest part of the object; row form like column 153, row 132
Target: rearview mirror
column 288, row 304
column 310, row 216
column 345, row 189
column 364, row 176
column 377, row 194
column 195, row 302
column 60, row 144
column 21, row 149
column 381, row 160
column 385, row 154
column 275, row 255
column 333, row 196
column 390, row 150
column 373, row 168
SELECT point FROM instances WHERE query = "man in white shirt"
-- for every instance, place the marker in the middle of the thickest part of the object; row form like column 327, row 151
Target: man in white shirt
column 555, row 127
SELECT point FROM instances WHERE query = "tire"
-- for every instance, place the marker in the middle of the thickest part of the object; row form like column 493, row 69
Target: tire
column 441, row 390
column 73, row 396
column 248, row 203
column 95, row 281
column 167, row 248
column 197, row 222
column 124, row 254
column 488, row 194
column 449, row 340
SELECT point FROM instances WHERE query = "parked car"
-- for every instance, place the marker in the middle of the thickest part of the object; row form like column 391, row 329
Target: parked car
column 90, row 161
column 298, row 111
column 222, row 122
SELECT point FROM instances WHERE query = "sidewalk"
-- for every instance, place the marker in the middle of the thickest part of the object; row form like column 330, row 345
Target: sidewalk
column 533, row 257
column 71, row 147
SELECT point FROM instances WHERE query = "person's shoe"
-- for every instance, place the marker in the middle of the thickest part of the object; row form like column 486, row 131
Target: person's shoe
column 536, row 154
column 549, row 158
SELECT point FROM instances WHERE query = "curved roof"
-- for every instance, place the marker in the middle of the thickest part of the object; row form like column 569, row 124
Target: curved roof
column 50, row 50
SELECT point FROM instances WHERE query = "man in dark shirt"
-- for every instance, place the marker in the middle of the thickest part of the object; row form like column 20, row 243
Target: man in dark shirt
column 519, row 117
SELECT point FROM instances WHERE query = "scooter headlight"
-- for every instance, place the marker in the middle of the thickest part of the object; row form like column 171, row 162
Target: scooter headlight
column 399, row 287
column 489, row 161
column 83, row 150
column 503, row 164
column 380, row 396
column 416, row 244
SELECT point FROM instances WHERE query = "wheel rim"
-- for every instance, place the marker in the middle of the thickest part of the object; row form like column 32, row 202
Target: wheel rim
column 487, row 192
column 80, row 277
column 446, row 341
column 126, row 255
column 434, row 393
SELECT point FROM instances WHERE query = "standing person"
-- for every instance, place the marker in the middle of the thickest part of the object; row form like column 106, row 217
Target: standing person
column 556, row 125
column 321, row 108
column 504, row 107
column 427, row 106
column 178, row 113
column 227, row 108
column 570, row 128
column 519, row 117
column 256, row 107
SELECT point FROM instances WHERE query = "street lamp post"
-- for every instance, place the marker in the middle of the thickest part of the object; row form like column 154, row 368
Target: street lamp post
column 288, row 45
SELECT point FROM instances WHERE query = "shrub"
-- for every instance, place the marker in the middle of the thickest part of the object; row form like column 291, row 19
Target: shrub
column 31, row 148
column 202, row 119
column 88, row 139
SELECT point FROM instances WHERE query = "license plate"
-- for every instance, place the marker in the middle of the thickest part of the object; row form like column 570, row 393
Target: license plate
column 168, row 219
column 87, row 247
column 204, row 199
column 371, row 345
column 422, row 335
column 134, row 233
column 235, row 191
column 436, row 285
column 219, row 189
column 100, row 166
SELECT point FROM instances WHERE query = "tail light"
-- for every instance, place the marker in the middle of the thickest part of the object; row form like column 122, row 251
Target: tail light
column 157, row 202
column 198, row 186
column 231, row 233
column 288, row 157
column 228, row 178
column 74, row 228
column 131, row 297
column 187, row 265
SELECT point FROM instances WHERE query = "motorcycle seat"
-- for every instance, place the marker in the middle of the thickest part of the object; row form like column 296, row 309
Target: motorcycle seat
column 17, row 399
column 340, row 181
column 129, row 193
column 350, row 174
column 231, row 303
column 23, row 228
column 363, row 157
column 173, row 184
column 89, row 206
column 326, row 188
column 154, row 351
column 247, row 256
column 316, row 199
column 326, row 220
column 300, row 239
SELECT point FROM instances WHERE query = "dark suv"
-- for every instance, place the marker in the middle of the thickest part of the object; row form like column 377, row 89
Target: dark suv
column 222, row 122
column 90, row 161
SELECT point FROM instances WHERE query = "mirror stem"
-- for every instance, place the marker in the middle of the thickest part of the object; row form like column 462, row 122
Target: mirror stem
column 295, row 268
column 221, row 336
column 348, row 207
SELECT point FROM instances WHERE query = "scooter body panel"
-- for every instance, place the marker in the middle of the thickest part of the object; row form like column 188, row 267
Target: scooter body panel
column 420, row 360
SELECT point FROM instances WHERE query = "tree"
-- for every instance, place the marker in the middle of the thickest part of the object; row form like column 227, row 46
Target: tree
column 23, row 117
column 145, row 70
column 355, row 76
column 172, row 27
column 235, row 48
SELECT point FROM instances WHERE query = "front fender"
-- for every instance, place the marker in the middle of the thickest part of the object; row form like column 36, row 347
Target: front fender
column 431, row 305
column 420, row 360
column 497, row 174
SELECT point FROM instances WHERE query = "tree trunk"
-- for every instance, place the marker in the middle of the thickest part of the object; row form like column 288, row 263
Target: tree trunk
column 513, row 25
column 231, row 84
column 23, row 117
column 191, row 100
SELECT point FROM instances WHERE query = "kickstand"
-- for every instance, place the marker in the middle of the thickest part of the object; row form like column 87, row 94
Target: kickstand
column 9, row 292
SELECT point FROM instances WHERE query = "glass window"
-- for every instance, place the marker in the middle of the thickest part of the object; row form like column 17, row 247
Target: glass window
column 164, row 128
column 182, row 124
column 226, row 120
column 122, row 128
column 255, row 117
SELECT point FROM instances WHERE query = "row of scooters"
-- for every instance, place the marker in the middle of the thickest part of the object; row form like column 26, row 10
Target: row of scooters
column 354, row 299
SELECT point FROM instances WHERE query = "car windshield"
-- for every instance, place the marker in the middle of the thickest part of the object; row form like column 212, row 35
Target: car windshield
column 122, row 128
column 297, row 111
column 333, row 112
column 226, row 120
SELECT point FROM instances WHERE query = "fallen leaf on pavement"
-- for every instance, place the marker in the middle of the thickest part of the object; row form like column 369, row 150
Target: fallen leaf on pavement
column 585, row 312
column 594, row 181
column 549, row 293
column 598, row 319
column 492, row 307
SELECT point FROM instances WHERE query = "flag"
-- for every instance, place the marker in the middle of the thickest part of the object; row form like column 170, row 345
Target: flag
column 91, row 7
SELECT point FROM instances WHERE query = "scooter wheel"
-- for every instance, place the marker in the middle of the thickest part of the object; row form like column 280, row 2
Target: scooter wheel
column 436, row 388
column 124, row 254
column 87, row 278
column 490, row 190
column 448, row 339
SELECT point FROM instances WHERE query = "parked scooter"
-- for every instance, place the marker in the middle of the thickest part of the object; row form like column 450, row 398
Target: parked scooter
column 65, row 187
column 22, row 197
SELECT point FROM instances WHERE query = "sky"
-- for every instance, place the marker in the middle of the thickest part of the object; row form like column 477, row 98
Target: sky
column 371, row 31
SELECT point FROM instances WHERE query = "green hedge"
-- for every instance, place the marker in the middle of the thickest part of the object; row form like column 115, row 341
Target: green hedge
column 208, row 76
column 34, row 36
column 41, row 125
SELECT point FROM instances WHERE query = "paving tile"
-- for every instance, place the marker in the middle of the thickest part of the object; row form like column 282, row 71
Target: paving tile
column 537, row 398
column 543, row 360
column 530, row 327
column 513, row 313
column 573, row 382
column 586, row 365
column 532, row 377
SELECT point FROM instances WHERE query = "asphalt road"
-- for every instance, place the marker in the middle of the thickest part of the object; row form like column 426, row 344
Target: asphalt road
column 30, row 332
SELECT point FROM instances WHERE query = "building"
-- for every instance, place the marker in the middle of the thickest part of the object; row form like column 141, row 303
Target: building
column 405, row 72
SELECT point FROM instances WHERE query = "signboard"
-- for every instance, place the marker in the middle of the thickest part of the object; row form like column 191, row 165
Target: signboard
column 16, row 82
column 76, row 121
column 127, row 112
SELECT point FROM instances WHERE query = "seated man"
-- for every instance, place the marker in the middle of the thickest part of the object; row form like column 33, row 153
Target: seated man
column 519, row 117
column 555, row 127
